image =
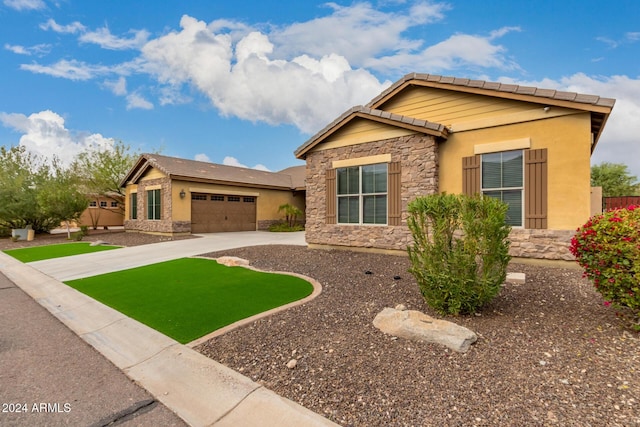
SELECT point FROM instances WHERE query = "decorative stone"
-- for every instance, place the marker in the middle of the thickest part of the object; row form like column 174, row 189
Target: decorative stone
column 292, row 363
column 232, row 261
column 518, row 278
column 98, row 243
column 417, row 326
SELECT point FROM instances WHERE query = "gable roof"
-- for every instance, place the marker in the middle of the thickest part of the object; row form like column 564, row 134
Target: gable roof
column 193, row 170
column 380, row 116
column 599, row 107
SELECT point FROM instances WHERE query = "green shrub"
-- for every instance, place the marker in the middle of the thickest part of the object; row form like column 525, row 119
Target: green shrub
column 77, row 236
column 84, row 229
column 608, row 248
column 284, row 227
column 460, row 252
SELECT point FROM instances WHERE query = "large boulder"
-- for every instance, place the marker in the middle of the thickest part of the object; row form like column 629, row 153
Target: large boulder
column 417, row 326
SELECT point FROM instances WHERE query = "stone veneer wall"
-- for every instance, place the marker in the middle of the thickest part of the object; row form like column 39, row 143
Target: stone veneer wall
column 541, row 244
column 164, row 225
column 418, row 155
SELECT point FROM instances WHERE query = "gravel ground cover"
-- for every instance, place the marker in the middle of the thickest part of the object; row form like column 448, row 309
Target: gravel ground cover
column 115, row 237
column 548, row 353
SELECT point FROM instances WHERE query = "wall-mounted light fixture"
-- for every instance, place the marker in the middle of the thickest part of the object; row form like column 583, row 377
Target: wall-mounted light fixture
column 546, row 109
column 182, row 194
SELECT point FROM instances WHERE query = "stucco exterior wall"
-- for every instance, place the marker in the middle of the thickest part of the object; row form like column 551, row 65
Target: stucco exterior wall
column 418, row 155
column 567, row 139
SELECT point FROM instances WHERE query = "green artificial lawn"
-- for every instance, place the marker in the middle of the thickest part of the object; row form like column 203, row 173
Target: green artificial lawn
column 190, row 297
column 37, row 253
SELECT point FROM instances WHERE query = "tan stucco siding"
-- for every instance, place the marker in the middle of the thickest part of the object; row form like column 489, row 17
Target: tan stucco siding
column 567, row 140
column 359, row 131
column 152, row 173
column 447, row 107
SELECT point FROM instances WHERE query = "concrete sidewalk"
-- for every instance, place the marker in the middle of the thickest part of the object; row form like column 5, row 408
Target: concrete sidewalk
column 199, row 390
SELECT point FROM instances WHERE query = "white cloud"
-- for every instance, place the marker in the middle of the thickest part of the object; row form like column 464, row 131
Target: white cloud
column 135, row 100
column 201, row 157
column 45, row 135
column 72, row 28
column 38, row 49
column 357, row 32
column 20, row 50
column 308, row 73
column 104, row 38
column 459, row 50
column 304, row 74
column 72, row 70
column 619, row 142
column 118, row 87
column 244, row 81
column 232, row 161
column 25, row 4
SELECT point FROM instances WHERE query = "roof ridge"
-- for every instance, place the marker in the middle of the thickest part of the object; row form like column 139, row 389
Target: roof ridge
column 498, row 87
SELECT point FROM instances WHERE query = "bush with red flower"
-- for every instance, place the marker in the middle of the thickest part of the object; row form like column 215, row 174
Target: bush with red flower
column 608, row 248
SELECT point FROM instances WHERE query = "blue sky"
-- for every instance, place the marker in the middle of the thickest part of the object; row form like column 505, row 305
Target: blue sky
column 246, row 83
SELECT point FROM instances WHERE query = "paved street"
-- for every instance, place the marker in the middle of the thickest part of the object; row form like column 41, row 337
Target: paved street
column 44, row 366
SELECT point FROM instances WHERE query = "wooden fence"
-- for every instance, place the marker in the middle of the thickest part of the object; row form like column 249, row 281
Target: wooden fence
column 619, row 202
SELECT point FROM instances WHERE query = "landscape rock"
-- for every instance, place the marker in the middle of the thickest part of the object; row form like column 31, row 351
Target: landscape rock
column 98, row 243
column 232, row 261
column 417, row 326
column 292, row 363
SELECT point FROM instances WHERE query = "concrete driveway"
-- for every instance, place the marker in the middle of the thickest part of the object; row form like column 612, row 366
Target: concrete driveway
column 86, row 265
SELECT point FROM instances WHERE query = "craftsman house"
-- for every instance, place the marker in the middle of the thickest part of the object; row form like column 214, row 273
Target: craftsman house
column 168, row 195
column 425, row 134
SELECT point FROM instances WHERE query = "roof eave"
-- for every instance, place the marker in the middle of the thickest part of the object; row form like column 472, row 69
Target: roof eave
column 421, row 126
column 515, row 92
column 234, row 183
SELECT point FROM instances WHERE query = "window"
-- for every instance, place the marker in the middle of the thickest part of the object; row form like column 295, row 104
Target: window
column 233, row 199
column 249, row 199
column 103, row 204
column 198, row 196
column 503, row 178
column 217, row 198
column 362, row 194
column 114, row 204
column 153, row 204
column 93, row 204
column 133, row 211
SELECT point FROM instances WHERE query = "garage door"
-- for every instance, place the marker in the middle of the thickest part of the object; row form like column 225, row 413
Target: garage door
column 214, row 213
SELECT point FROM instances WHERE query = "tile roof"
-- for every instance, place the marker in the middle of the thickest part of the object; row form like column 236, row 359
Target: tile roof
column 505, row 88
column 378, row 115
column 193, row 170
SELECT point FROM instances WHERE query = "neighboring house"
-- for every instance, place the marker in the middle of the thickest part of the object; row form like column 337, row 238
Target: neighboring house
column 427, row 134
column 102, row 212
column 169, row 195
